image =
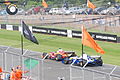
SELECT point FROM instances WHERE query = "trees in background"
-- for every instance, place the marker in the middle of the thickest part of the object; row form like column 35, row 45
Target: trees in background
column 117, row 0
column 73, row 2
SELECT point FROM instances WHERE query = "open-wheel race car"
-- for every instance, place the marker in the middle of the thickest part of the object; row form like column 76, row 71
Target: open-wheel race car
column 59, row 55
column 79, row 61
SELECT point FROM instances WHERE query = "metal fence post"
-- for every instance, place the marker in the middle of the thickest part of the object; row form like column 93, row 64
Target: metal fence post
column 22, row 64
column 30, row 67
column 4, row 59
column 112, row 72
column 12, row 60
column 83, row 73
column 70, row 72
column 42, row 70
column 93, row 75
column 39, row 70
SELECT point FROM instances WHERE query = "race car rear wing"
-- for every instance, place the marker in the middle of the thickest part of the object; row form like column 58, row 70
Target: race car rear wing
column 95, row 56
column 69, row 52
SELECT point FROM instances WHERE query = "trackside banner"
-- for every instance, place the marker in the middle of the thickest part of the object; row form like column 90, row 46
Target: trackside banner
column 97, row 36
column 52, row 31
column 75, row 34
column 104, row 37
column 66, row 33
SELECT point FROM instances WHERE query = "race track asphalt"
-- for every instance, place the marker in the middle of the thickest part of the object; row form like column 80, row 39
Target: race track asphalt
column 55, row 70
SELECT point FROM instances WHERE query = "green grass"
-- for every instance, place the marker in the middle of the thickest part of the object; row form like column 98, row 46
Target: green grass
column 50, row 43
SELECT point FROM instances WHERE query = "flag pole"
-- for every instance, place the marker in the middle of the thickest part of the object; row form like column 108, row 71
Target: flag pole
column 82, row 55
column 82, row 46
column 21, row 44
column 21, row 38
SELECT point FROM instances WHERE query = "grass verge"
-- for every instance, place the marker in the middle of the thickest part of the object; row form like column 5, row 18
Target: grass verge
column 49, row 43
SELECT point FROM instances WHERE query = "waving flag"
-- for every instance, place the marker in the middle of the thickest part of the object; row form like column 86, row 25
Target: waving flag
column 87, row 40
column 90, row 5
column 44, row 4
column 28, row 34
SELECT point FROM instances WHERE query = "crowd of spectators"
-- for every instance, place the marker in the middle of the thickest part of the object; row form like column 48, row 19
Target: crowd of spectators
column 16, row 73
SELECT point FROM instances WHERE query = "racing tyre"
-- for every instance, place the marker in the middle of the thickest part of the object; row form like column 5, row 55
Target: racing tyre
column 70, row 61
column 43, row 55
column 58, row 57
column 12, row 9
column 66, row 60
column 99, row 62
column 82, row 63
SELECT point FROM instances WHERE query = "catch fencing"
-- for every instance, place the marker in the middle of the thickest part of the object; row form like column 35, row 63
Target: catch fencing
column 11, row 57
column 106, row 72
column 52, row 70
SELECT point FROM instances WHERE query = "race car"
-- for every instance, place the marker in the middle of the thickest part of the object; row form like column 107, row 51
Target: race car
column 79, row 61
column 59, row 55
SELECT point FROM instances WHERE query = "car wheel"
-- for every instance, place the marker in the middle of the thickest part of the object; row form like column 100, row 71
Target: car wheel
column 58, row 57
column 70, row 61
column 82, row 63
column 11, row 9
column 66, row 60
column 99, row 62
column 43, row 55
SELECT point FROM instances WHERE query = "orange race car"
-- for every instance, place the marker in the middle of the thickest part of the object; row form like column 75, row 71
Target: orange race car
column 59, row 55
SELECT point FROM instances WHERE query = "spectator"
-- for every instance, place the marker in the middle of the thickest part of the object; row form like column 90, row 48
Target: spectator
column 19, row 73
column 0, row 73
column 0, row 70
column 13, row 74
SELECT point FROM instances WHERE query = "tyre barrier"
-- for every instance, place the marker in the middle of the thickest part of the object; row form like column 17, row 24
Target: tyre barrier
column 12, row 9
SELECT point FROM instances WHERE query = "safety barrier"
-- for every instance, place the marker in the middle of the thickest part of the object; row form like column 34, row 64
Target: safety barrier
column 64, row 32
column 40, row 69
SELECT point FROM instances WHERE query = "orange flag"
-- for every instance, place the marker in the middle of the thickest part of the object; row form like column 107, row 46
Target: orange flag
column 87, row 40
column 44, row 4
column 90, row 5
